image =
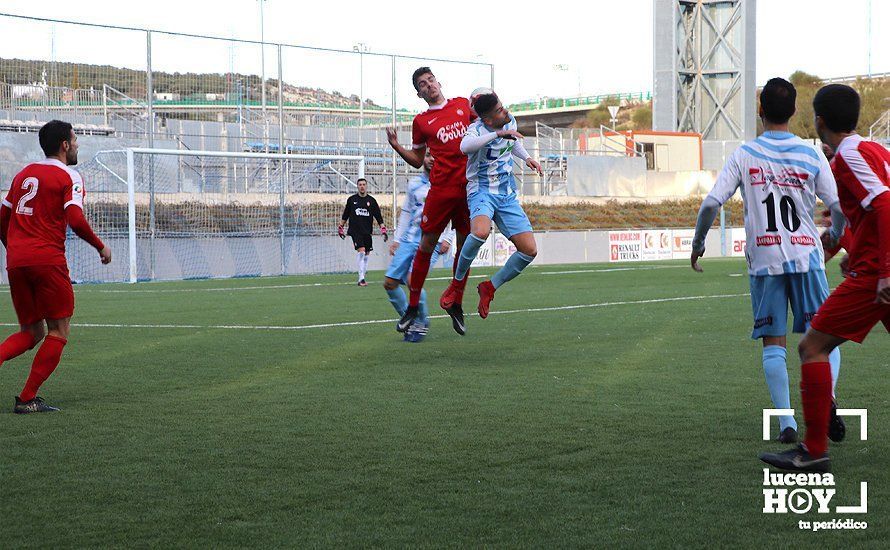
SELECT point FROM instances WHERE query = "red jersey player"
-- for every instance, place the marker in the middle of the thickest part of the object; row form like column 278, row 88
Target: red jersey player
column 44, row 199
column 440, row 128
column 862, row 171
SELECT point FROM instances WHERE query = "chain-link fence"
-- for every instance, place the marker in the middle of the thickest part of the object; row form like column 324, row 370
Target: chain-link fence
column 129, row 87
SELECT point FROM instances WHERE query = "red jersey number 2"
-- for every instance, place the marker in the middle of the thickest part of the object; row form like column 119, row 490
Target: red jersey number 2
column 30, row 185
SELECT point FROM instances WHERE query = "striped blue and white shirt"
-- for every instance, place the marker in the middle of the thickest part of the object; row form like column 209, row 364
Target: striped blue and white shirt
column 779, row 176
column 490, row 169
column 408, row 229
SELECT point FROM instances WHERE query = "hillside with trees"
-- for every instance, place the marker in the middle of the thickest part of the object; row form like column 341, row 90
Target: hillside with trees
column 132, row 82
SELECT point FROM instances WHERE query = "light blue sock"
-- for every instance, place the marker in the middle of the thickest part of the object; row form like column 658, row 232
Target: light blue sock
column 514, row 266
column 398, row 300
column 776, row 372
column 834, row 358
column 467, row 254
column 424, row 313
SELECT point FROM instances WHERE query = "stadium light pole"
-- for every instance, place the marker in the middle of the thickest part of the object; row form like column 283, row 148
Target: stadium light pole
column 868, row 17
column 262, row 59
column 362, row 49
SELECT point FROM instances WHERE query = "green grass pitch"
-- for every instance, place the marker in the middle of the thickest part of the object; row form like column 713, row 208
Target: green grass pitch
column 635, row 422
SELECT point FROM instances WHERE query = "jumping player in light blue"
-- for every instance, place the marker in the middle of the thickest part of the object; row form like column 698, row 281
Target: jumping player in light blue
column 404, row 246
column 490, row 144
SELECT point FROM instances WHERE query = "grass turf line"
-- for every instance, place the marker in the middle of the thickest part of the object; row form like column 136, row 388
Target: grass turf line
column 629, row 425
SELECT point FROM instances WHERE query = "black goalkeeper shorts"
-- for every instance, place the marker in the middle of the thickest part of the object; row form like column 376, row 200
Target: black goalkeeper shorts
column 363, row 241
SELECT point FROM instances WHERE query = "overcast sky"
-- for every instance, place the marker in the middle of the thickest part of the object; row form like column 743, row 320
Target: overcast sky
column 606, row 45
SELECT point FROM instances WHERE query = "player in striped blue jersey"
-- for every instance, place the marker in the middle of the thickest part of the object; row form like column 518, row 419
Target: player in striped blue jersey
column 405, row 245
column 490, row 144
column 779, row 176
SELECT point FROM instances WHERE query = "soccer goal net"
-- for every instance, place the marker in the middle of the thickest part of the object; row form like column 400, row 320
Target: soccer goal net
column 171, row 214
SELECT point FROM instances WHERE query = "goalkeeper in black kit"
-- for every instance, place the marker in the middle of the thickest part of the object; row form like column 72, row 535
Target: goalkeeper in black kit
column 359, row 211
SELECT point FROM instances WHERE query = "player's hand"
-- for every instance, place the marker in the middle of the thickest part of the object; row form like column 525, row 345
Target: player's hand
column 509, row 134
column 392, row 137
column 693, row 259
column 444, row 247
column 829, row 243
column 393, row 247
column 883, row 291
column 845, row 265
column 341, row 232
column 535, row 165
column 105, row 255
column 384, row 233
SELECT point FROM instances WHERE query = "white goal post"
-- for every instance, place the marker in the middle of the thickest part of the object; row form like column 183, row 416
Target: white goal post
column 173, row 214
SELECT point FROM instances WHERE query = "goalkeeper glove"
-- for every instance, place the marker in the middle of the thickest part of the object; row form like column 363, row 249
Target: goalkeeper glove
column 385, row 234
column 341, row 232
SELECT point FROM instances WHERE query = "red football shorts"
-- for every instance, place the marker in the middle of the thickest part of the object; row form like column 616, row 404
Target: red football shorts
column 41, row 292
column 850, row 311
column 440, row 209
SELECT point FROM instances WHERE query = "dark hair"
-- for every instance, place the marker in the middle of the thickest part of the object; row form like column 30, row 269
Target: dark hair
column 361, row 179
column 838, row 105
column 777, row 100
column 418, row 73
column 51, row 136
column 485, row 104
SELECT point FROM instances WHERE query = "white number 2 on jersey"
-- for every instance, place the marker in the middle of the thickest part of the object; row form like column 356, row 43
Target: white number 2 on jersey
column 30, row 185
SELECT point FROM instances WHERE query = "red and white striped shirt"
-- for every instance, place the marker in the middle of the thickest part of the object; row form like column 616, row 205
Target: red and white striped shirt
column 862, row 171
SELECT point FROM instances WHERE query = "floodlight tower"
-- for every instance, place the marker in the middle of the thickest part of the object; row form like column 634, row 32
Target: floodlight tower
column 704, row 68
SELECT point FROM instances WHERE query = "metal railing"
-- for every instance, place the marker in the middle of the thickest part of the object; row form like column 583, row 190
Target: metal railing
column 582, row 101
column 880, row 130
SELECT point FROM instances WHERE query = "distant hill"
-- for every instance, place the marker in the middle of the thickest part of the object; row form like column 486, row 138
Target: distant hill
column 132, row 82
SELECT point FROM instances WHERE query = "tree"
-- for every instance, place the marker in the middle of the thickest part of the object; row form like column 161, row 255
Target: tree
column 642, row 117
column 802, row 123
column 598, row 116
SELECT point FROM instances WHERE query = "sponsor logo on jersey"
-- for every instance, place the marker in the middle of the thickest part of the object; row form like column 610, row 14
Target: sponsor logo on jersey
column 455, row 130
column 362, row 212
column 769, row 240
column 77, row 189
column 756, row 176
column 785, row 178
column 805, row 240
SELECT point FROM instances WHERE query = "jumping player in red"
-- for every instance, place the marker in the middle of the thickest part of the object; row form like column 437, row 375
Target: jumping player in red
column 440, row 128
column 862, row 171
column 44, row 199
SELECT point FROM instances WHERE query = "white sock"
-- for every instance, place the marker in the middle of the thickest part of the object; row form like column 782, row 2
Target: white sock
column 361, row 265
column 365, row 265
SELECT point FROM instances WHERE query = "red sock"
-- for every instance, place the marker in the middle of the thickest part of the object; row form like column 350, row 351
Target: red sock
column 815, row 393
column 15, row 345
column 419, row 270
column 459, row 286
column 45, row 362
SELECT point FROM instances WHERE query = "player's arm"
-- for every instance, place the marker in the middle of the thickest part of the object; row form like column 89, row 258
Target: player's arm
column 6, row 214
column 880, row 206
column 476, row 140
column 446, row 241
column 413, row 156
column 728, row 181
column 77, row 222
column 343, row 218
column 826, row 190
column 5, row 217
column 523, row 155
column 81, row 227
column 375, row 211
